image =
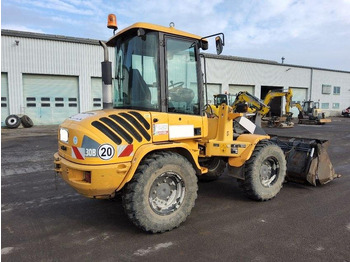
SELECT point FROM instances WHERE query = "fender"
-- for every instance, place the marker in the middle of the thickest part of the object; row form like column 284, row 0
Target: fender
column 143, row 150
column 253, row 140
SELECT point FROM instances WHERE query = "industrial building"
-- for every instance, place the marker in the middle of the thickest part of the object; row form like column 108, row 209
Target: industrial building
column 50, row 78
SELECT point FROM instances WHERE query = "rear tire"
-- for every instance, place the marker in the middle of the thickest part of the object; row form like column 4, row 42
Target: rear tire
column 265, row 171
column 162, row 192
column 216, row 167
column 12, row 121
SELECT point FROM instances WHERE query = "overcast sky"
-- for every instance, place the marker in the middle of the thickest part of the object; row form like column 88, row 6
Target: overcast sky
column 310, row 32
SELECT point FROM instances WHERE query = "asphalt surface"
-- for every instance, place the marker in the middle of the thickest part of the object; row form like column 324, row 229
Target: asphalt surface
column 43, row 219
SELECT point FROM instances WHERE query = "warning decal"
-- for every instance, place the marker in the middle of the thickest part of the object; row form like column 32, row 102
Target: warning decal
column 125, row 150
column 78, row 152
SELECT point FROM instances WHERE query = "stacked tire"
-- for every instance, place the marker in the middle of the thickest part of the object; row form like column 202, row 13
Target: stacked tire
column 14, row 121
column 26, row 121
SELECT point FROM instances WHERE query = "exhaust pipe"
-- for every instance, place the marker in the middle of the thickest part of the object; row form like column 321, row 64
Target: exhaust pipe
column 106, row 79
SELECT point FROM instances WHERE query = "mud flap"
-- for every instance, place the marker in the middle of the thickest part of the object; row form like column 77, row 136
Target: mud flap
column 307, row 160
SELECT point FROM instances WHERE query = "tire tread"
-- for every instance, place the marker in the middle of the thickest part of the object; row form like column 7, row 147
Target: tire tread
column 132, row 207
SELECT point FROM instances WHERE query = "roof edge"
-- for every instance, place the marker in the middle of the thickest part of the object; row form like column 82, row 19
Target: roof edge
column 61, row 38
column 267, row 62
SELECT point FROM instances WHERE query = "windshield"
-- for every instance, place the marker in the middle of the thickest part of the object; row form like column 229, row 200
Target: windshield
column 137, row 84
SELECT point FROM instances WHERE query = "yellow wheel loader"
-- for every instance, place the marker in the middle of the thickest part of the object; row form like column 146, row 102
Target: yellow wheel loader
column 153, row 138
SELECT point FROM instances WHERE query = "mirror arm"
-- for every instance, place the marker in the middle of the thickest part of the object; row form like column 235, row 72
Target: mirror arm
column 222, row 34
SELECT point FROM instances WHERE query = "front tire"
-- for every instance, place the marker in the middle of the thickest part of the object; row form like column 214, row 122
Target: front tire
column 265, row 171
column 162, row 192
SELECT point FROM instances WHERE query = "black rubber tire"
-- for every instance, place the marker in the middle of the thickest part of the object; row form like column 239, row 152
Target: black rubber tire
column 264, row 152
column 216, row 167
column 12, row 121
column 137, row 193
column 26, row 121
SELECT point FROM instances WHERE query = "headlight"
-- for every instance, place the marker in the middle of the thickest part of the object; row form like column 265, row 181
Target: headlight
column 64, row 135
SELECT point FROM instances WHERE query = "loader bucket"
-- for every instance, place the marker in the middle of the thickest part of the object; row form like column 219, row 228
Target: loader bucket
column 307, row 159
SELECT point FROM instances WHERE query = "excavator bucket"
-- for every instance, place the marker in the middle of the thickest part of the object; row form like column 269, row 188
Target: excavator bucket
column 307, row 160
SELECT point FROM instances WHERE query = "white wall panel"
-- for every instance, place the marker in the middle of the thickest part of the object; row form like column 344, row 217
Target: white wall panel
column 213, row 89
column 39, row 56
column 322, row 77
column 255, row 74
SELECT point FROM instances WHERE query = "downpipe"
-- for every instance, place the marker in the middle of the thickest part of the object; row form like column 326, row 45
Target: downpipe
column 106, row 66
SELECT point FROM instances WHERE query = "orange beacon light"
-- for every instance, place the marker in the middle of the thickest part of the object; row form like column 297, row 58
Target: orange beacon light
column 112, row 22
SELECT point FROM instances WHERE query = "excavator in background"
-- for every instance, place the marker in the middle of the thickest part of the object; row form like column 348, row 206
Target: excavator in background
column 256, row 109
column 261, row 108
column 153, row 138
column 286, row 119
column 310, row 113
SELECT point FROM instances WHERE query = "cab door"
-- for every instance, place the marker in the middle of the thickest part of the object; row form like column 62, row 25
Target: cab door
column 183, row 89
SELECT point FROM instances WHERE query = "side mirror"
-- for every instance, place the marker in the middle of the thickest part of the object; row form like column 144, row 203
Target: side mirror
column 204, row 45
column 219, row 42
column 219, row 45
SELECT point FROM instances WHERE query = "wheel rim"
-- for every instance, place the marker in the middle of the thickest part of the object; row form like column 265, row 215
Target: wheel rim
column 12, row 121
column 167, row 193
column 269, row 171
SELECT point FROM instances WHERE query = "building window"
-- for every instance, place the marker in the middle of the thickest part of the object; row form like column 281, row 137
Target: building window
column 325, row 105
column 326, row 89
column 335, row 106
column 336, row 90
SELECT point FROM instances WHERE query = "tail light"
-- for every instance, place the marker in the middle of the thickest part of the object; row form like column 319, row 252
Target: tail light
column 87, row 176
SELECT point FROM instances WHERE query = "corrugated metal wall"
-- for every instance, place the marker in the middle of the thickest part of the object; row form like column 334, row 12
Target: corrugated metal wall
column 253, row 74
column 47, row 57
column 229, row 72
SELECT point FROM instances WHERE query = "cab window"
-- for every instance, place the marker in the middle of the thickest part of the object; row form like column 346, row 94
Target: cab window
column 181, row 72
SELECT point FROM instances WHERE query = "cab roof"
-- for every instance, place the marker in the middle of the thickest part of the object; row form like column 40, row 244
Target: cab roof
column 147, row 26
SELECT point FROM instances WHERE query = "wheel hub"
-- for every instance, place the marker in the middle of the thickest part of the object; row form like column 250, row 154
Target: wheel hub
column 12, row 120
column 167, row 193
column 269, row 172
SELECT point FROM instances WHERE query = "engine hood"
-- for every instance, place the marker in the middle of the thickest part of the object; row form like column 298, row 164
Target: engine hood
column 104, row 137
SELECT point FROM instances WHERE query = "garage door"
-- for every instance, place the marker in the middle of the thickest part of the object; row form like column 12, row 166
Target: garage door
column 213, row 89
column 235, row 89
column 50, row 99
column 299, row 95
column 96, row 93
column 4, row 98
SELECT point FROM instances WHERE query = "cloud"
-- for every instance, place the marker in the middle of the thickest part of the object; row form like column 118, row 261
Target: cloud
column 266, row 21
column 308, row 31
column 66, row 6
column 265, row 29
column 24, row 28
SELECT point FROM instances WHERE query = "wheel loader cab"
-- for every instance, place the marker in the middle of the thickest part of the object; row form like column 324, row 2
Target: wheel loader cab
column 157, row 69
